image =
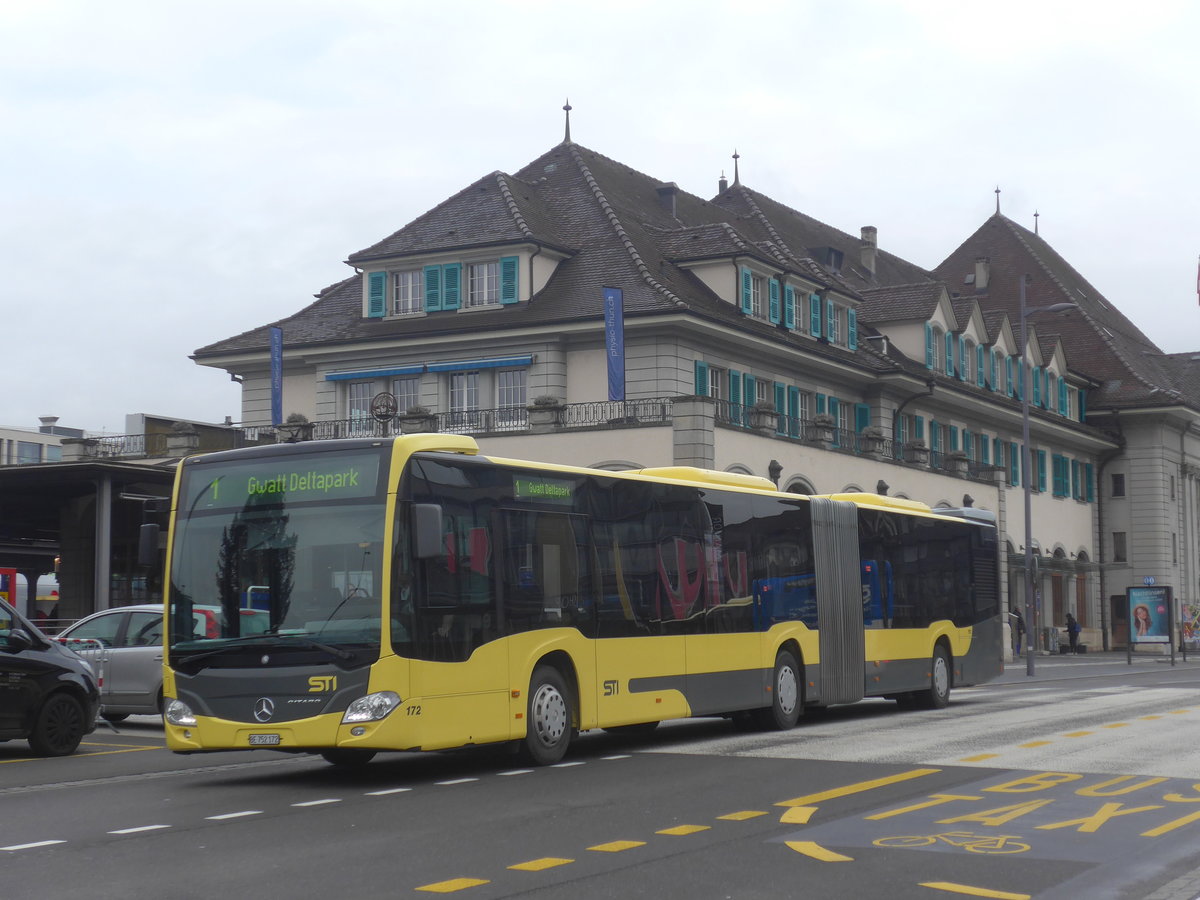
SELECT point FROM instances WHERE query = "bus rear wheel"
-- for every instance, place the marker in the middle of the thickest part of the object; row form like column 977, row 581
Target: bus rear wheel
column 548, row 717
column 787, row 696
column 937, row 695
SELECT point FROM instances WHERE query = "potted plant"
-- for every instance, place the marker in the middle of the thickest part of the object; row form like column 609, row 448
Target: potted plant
column 764, row 417
column 295, row 427
column 545, row 411
column 823, row 425
column 916, row 452
column 417, row 419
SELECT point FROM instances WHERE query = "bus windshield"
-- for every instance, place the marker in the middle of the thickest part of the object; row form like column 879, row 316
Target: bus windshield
column 281, row 553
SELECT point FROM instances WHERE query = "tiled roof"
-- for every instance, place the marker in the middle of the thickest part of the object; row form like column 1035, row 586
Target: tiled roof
column 900, row 302
column 1100, row 342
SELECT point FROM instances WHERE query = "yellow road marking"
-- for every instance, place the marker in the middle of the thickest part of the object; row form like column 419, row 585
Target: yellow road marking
column 1148, row 718
column 979, row 758
column 102, row 744
column 454, row 884
column 684, row 829
column 797, row 815
column 1034, row 744
column 973, row 891
column 76, row 755
column 617, row 846
column 1078, row 733
column 816, row 851
column 1180, row 712
column 742, row 816
column 858, row 788
column 537, row 865
column 1118, row 725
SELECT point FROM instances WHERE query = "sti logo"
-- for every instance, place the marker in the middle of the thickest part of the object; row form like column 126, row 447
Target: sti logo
column 611, row 689
column 319, row 684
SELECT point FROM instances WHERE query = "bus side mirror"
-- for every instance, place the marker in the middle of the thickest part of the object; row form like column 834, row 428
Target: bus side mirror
column 427, row 531
column 148, row 545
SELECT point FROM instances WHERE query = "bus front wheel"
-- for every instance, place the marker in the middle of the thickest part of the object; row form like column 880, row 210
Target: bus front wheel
column 347, row 756
column 787, row 696
column 937, row 695
column 548, row 717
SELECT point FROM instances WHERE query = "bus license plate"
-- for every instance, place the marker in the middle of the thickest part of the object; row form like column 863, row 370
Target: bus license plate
column 264, row 740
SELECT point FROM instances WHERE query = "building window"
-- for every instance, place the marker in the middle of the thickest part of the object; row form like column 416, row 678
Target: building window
column 1118, row 485
column 483, row 284
column 834, row 325
column 358, row 407
column 757, row 289
column 936, row 349
column 716, row 382
column 510, row 398
column 407, row 392
column 1119, row 550
column 408, row 295
column 28, row 452
column 464, row 400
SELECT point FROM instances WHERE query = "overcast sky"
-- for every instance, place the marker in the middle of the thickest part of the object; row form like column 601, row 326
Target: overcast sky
column 174, row 174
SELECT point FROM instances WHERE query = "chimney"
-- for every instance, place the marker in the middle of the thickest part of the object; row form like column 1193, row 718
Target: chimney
column 983, row 271
column 868, row 249
column 666, row 196
column 723, row 184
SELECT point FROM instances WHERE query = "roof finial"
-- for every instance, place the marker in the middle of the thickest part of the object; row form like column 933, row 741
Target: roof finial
column 997, row 199
column 1035, row 221
column 567, row 131
column 736, row 177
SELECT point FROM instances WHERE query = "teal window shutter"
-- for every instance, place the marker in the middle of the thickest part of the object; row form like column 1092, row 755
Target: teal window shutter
column 935, row 436
column 451, row 285
column 1021, row 369
column 985, row 450
column 918, row 428
column 701, row 378
column 749, row 389
column 962, row 358
column 948, row 368
column 1036, row 372
column 1008, row 375
column 1041, row 470
column 814, row 315
column 433, row 288
column 377, row 295
column 781, row 408
column 1014, row 464
column 979, row 354
column 1082, row 405
column 833, row 404
column 953, row 437
column 793, row 411
column 510, row 283
column 774, row 314
column 862, row 417
column 1062, row 396
column 992, row 368
column 1088, row 483
column 747, row 291
column 968, row 444
column 735, row 395
column 820, row 404
column 789, row 307
column 928, row 345
column 830, row 318
column 1076, row 487
column 852, row 329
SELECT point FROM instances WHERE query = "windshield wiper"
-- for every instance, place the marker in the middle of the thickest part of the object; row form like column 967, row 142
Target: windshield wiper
column 269, row 640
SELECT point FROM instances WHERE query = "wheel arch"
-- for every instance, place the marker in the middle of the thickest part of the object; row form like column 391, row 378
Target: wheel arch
column 561, row 661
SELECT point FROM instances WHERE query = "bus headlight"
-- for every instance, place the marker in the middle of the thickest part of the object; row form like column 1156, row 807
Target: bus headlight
column 371, row 708
column 179, row 713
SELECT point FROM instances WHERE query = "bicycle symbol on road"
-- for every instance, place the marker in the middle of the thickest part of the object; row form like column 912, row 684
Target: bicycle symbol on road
column 972, row 843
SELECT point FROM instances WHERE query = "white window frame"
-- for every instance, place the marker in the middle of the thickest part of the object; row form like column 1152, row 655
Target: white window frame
column 717, row 379
column 408, row 292
column 406, row 399
column 939, row 340
column 483, row 284
column 758, row 285
column 512, row 396
column 358, row 406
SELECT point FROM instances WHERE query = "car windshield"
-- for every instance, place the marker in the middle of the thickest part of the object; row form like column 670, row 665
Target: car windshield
column 287, row 559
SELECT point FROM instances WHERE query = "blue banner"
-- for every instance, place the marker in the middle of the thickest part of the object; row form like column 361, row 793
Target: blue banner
column 614, row 341
column 276, row 376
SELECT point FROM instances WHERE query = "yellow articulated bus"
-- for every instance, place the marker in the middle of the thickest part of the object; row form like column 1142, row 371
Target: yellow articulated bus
column 412, row 594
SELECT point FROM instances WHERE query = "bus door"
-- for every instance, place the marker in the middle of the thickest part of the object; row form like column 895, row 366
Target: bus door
column 839, row 600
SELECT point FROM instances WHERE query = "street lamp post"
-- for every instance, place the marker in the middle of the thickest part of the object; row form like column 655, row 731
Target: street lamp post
column 1026, row 475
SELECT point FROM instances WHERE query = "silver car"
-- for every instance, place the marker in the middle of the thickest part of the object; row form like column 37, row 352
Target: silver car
column 125, row 648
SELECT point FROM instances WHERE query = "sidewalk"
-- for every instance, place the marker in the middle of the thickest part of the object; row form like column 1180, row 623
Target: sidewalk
column 1104, row 662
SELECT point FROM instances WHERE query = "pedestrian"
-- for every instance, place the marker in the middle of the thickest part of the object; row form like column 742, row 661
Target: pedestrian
column 1073, row 633
column 1018, row 628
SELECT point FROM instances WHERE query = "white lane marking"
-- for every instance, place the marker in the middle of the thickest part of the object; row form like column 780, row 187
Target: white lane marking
column 235, row 815
column 566, row 765
column 517, row 772
column 388, row 791
column 619, row 756
column 32, row 846
column 139, row 828
column 456, row 781
column 319, row 802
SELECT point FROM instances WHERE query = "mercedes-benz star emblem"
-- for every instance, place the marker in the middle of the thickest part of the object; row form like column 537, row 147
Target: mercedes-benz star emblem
column 264, row 708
